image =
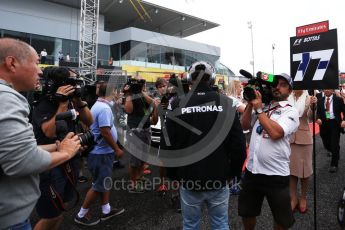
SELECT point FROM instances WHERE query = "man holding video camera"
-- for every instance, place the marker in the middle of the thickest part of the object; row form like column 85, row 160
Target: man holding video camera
column 267, row 171
column 20, row 158
column 59, row 94
column 142, row 112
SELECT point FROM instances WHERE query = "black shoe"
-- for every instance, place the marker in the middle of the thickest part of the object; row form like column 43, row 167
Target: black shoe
column 333, row 169
column 86, row 221
column 112, row 213
column 82, row 179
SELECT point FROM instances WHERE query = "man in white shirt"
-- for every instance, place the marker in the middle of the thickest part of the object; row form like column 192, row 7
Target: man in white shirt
column 331, row 119
column 43, row 56
column 267, row 171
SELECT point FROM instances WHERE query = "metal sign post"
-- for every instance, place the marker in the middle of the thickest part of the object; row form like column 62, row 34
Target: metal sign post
column 314, row 65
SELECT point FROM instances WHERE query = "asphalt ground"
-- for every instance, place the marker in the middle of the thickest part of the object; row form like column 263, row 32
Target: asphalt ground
column 151, row 211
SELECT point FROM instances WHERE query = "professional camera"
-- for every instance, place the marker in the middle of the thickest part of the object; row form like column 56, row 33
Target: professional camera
column 176, row 87
column 135, row 86
column 62, row 128
column 263, row 83
column 55, row 77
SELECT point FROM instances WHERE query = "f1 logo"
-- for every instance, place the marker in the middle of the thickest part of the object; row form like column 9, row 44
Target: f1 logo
column 304, row 59
column 297, row 42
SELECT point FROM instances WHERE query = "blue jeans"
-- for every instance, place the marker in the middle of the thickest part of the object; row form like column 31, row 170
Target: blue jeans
column 25, row 225
column 217, row 202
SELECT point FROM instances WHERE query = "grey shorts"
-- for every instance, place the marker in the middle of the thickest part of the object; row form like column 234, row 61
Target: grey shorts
column 138, row 146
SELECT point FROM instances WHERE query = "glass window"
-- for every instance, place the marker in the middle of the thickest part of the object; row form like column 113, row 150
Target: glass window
column 115, row 52
column 71, row 47
column 179, row 57
column 190, row 58
column 153, row 53
column 167, row 55
column 17, row 35
column 42, row 42
column 125, row 48
column 138, row 51
column 103, row 54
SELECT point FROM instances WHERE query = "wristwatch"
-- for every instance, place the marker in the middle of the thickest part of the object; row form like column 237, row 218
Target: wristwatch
column 83, row 105
column 258, row 111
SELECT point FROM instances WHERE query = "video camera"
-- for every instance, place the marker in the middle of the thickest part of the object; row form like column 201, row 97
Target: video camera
column 55, row 77
column 263, row 83
column 62, row 128
column 174, row 87
column 135, row 86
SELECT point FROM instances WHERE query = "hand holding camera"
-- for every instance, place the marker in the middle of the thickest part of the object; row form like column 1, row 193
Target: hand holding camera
column 70, row 145
column 257, row 102
column 263, row 83
column 134, row 86
column 65, row 90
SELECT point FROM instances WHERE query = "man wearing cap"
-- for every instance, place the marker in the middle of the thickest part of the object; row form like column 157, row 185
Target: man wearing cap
column 267, row 171
column 204, row 179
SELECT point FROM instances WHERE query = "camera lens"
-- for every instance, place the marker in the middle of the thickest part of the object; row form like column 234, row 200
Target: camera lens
column 86, row 138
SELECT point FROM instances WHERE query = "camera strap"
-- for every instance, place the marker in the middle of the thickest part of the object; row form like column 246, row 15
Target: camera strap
column 271, row 110
column 55, row 196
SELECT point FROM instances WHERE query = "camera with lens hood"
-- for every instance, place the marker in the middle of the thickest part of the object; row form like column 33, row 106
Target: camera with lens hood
column 134, row 86
column 62, row 129
column 263, row 82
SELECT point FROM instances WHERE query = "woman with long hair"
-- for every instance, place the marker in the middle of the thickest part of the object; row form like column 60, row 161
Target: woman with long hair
column 301, row 149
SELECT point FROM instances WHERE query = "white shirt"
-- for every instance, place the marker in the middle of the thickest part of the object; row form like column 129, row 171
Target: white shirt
column 43, row 53
column 330, row 106
column 236, row 102
column 272, row 157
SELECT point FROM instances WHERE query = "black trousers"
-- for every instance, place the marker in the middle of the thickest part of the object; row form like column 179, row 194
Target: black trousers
column 330, row 135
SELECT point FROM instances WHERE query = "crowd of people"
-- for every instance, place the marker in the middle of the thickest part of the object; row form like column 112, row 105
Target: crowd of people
column 267, row 146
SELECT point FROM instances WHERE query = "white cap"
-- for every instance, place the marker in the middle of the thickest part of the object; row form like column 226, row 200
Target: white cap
column 209, row 69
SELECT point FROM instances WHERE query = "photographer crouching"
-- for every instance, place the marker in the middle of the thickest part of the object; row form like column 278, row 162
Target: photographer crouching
column 60, row 93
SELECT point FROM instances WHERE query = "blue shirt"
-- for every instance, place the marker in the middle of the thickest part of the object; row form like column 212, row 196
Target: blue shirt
column 103, row 117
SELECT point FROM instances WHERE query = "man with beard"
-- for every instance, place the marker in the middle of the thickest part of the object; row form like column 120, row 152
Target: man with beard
column 267, row 171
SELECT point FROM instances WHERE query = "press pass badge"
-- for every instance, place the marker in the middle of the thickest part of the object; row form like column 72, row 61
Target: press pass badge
column 328, row 115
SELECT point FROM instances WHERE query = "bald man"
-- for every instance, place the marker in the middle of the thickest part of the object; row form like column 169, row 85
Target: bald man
column 21, row 160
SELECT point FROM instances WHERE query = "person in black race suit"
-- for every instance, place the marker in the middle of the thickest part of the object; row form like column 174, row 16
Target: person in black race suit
column 329, row 110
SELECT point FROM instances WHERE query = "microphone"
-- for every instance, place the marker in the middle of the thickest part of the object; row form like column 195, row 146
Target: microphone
column 246, row 74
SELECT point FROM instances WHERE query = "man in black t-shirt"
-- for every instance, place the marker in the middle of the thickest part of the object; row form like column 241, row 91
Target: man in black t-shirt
column 43, row 120
column 142, row 112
